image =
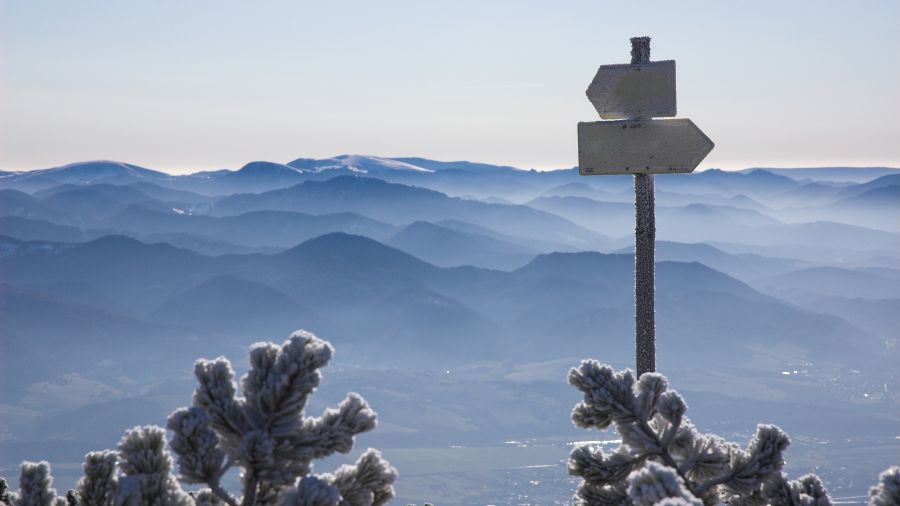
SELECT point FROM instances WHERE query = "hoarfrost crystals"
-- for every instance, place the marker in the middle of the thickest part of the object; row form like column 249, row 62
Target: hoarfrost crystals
column 99, row 484
column 35, row 485
column 265, row 433
column 663, row 459
column 887, row 492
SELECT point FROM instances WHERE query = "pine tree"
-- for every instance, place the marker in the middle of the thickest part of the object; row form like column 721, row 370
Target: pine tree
column 887, row 492
column 665, row 460
column 264, row 432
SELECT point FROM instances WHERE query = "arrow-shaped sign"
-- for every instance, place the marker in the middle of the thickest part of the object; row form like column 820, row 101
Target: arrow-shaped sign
column 640, row 147
column 629, row 91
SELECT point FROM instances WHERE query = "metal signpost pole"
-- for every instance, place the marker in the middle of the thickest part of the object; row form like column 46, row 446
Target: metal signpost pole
column 634, row 143
column 644, row 250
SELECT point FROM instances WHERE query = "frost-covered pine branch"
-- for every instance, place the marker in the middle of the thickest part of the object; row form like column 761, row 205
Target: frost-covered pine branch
column 664, row 459
column 35, row 486
column 887, row 491
column 265, row 433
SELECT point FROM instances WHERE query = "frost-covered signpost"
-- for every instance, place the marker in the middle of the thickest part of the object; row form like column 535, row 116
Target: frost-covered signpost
column 633, row 143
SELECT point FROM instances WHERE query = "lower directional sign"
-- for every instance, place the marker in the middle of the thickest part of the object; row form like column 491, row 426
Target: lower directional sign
column 640, row 147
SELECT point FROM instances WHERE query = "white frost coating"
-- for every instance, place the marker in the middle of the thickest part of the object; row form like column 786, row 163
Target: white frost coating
column 368, row 482
column 147, row 467
column 312, row 491
column 654, row 482
column 199, row 458
column 99, row 484
column 663, row 459
column 36, row 485
column 265, row 433
column 887, row 492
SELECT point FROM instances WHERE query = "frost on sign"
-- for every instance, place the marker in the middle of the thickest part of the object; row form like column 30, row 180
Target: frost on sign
column 640, row 147
column 630, row 90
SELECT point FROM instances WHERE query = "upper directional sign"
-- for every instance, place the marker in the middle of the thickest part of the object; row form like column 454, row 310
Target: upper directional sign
column 640, row 147
column 628, row 91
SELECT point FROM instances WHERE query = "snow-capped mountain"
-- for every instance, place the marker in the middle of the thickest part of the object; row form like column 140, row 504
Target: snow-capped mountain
column 359, row 164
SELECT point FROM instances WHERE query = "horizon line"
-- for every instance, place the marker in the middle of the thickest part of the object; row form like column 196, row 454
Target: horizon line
column 176, row 171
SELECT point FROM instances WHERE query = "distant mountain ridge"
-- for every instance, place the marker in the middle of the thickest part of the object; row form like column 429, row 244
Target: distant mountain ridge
column 458, row 290
column 401, row 204
column 355, row 286
column 114, row 172
column 836, row 174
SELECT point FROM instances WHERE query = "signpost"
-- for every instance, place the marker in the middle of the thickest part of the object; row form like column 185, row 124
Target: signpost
column 639, row 145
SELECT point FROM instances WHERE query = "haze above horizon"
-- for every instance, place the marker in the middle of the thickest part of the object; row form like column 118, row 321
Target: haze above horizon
column 189, row 87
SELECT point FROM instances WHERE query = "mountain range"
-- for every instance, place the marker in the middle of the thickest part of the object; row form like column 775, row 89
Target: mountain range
column 457, row 294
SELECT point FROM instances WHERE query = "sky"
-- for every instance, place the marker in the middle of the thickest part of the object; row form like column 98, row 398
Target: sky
column 198, row 85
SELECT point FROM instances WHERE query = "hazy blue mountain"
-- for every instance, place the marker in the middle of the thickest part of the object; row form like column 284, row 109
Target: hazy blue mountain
column 258, row 177
column 447, row 247
column 232, row 306
column 588, row 191
column 875, row 205
column 880, row 317
column 755, row 183
column 382, row 297
column 663, row 197
column 823, row 232
column 17, row 203
column 512, row 186
column 166, row 194
column 700, row 215
column 375, row 290
column 11, row 246
column 119, row 193
column 82, row 173
column 332, row 263
column 691, row 223
column 614, row 219
column 743, row 266
column 543, row 246
column 455, row 178
column 200, row 244
column 835, row 174
column 48, row 336
column 887, row 180
column 401, row 204
column 886, row 198
column 92, row 202
column 135, row 274
column 804, row 284
column 811, row 193
column 461, row 178
column 27, row 229
column 87, row 205
column 672, row 199
column 816, row 242
column 256, row 229
column 592, row 304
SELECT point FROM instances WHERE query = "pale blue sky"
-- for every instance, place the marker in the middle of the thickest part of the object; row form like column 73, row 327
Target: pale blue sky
column 184, row 86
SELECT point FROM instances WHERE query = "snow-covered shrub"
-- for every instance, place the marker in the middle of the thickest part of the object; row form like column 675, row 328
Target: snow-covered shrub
column 665, row 460
column 264, row 433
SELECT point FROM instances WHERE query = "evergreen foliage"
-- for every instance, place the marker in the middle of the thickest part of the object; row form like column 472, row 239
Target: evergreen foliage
column 665, row 461
column 887, row 492
column 265, row 433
